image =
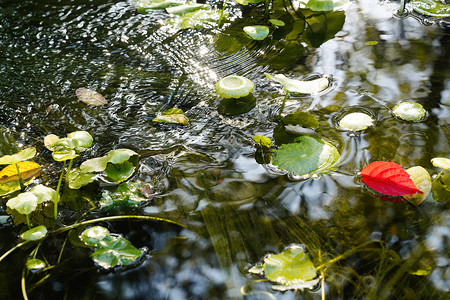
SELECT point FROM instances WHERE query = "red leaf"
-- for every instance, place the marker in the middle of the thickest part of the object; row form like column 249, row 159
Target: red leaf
column 388, row 178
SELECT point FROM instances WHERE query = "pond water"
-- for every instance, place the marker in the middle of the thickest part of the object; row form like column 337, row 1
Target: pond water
column 205, row 175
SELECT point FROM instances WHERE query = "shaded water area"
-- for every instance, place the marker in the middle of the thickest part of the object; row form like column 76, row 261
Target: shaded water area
column 205, row 175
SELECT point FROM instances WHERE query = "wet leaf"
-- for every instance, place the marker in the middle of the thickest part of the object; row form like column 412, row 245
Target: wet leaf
column 307, row 156
column 24, row 203
column 441, row 188
column 118, row 156
column 234, row 87
column 78, row 179
column 82, row 140
column 441, row 162
column 388, row 178
column 303, row 119
column 64, row 155
column 433, row 8
column 422, row 180
column 127, row 195
column 119, row 172
column 143, row 5
column 247, row 2
column 325, row 5
column 292, row 269
column 50, row 140
column 94, row 235
column 236, row 106
column 35, row 264
column 262, row 140
column 257, row 32
column 185, row 8
column 200, row 19
column 409, row 111
column 115, row 251
column 34, row 234
column 277, row 22
column 44, row 194
column 173, row 117
column 356, row 121
column 18, row 157
column 90, row 97
column 27, row 169
column 298, row 86
column 97, row 164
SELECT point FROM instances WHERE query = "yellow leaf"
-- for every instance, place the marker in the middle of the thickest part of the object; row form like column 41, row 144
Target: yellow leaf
column 27, row 170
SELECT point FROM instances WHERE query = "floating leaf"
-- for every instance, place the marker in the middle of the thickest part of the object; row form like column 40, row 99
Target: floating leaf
column 172, row 116
column 422, row 180
column 257, row 32
column 291, row 269
column 34, row 234
column 143, row 5
column 115, row 251
column 247, row 2
column 409, row 111
column 94, row 235
column 200, row 19
column 441, row 162
column 127, row 195
column 236, row 106
column 185, row 8
column 325, row 5
column 277, row 22
column 262, row 140
column 441, row 188
column 298, row 86
column 119, row 172
column 433, row 8
column 78, row 179
column 234, row 87
column 44, row 194
column 27, row 169
column 50, row 140
column 388, row 178
column 97, row 164
column 18, row 157
column 64, row 155
column 121, row 155
column 356, row 121
column 82, row 140
column 35, row 264
column 307, row 156
column 24, row 203
column 90, row 97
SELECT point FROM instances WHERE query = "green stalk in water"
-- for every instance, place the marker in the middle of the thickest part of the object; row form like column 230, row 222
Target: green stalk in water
column 283, row 104
column 20, row 177
column 58, row 188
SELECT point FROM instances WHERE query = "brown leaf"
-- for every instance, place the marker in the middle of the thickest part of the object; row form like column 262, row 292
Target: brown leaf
column 90, row 97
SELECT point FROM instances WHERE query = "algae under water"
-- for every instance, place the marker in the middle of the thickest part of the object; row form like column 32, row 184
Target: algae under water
column 205, row 175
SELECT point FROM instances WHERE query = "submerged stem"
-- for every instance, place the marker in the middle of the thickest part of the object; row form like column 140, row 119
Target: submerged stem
column 23, row 284
column 283, row 104
column 20, row 177
column 58, row 188
column 12, row 250
column 68, row 170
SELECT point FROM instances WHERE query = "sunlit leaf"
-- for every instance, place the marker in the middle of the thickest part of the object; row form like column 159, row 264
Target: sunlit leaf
column 299, row 86
column 234, row 87
column 97, row 164
column 44, row 194
column 325, row 5
column 247, row 2
column 94, row 235
column 441, row 162
column 82, row 139
column 422, row 180
column 18, row 157
column 24, row 203
column 115, row 251
column 143, row 5
column 78, row 179
column 121, row 155
column 277, row 22
column 433, row 8
column 172, row 116
column 90, row 97
column 50, row 140
column 127, row 195
column 27, row 169
column 200, row 19
column 441, row 188
column 9, row 187
column 119, row 172
column 307, row 156
column 64, row 155
column 34, row 234
column 409, row 111
column 262, row 140
column 292, row 269
column 35, row 264
column 388, row 178
column 356, row 121
column 185, row 8
column 257, row 32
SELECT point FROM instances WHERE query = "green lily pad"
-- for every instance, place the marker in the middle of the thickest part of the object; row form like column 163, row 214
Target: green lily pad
column 294, row 125
column 433, row 8
column 290, row 269
column 94, row 235
column 34, row 234
column 441, row 162
column 356, row 121
column 262, row 141
column 64, row 155
column 24, row 203
column 90, row 97
column 50, row 140
column 99, row 164
column 277, row 22
column 236, row 106
column 325, row 5
column 200, row 19
column 185, row 8
column 78, row 179
column 172, row 116
column 121, row 155
column 44, row 194
column 115, row 251
column 307, row 156
column 234, row 87
column 35, row 264
column 82, row 140
column 422, row 181
column 126, row 196
column 257, row 32
column 143, row 5
column 299, row 86
column 22, row 155
column 119, row 172
column 441, row 188
column 409, row 111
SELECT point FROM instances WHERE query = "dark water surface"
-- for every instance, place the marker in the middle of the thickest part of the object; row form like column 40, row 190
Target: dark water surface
column 205, row 175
